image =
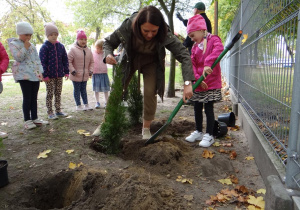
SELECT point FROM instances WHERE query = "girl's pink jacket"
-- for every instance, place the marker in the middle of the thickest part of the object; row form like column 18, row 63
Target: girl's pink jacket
column 213, row 50
column 81, row 61
column 4, row 60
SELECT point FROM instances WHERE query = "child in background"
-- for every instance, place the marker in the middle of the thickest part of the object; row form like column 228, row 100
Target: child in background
column 100, row 78
column 4, row 61
column 55, row 63
column 27, row 70
column 205, row 51
column 81, row 64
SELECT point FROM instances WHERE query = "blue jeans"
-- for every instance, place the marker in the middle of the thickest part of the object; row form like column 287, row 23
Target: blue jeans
column 80, row 90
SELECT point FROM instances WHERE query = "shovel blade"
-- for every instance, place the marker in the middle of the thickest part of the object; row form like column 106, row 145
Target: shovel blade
column 153, row 137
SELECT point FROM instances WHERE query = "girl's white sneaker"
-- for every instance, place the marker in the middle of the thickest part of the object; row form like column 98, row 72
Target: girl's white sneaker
column 207, row 140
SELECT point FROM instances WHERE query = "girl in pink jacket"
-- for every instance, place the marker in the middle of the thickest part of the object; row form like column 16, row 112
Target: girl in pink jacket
column 100, row 78
column 81, row 64
column 205, row 51
column 4, row 60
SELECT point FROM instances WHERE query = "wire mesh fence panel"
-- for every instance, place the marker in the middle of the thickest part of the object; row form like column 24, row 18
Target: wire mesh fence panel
column 260, row 70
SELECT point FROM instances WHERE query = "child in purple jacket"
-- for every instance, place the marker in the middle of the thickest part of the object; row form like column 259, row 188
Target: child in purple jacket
column 205, row 51
column 55, row 63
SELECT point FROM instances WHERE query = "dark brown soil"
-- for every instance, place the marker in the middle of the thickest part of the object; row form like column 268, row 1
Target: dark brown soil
column 139, row 177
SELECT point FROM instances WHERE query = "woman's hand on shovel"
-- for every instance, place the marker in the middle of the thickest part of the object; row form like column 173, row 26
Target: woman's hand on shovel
column 187, row 92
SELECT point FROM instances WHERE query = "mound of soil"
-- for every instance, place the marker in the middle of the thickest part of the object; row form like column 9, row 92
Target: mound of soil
column 168, row 174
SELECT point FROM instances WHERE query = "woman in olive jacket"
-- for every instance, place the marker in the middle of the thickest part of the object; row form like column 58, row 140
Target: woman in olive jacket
column 144, row 37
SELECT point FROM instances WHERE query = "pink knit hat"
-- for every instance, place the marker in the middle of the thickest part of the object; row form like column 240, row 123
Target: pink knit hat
column 81, row 35
column 196, row 23
column 50, row 28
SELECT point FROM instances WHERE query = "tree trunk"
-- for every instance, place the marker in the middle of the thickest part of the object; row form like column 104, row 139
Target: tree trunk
column 98, row 30
column 171, row 85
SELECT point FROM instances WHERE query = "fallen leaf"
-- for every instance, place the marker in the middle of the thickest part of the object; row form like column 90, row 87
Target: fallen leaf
column 242, row 189
column 235, row 128
column 216, row 144
column 80, row 131
column 245, row 38
column 233, row 155
column 72, row 165
column 69, row 151
column 228, row 137
column 262, row 191
column 234, row 179
column 223, row 151
column 43, row 154
column 188, row 197
column 51, row 130
column 87, row 133
column 207, row 154
column 259, row 201
column 225, row 181
column 249, row 158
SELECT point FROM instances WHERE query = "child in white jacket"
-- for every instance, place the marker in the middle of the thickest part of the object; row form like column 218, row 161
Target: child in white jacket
column 27, row 71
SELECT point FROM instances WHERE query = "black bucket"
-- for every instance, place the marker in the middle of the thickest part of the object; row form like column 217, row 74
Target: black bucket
column 220, row 129
column 228, row 118
column 3, row 173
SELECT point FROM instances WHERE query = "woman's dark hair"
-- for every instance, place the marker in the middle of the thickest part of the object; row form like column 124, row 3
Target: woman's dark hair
column 150, row 14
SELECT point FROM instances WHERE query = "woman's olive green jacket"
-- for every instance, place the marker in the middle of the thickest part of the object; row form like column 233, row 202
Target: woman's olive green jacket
column 122, row 36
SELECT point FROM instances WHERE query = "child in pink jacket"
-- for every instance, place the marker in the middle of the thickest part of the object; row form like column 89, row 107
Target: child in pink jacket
column 205, row 51
column 100, row 77
column 4, row 60
column 81, row 64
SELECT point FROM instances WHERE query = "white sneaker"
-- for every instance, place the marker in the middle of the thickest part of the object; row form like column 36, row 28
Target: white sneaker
column 3, row 135
column 79, row 108
column 97, row 131
column 207, row 140
column 146, row 133
column 196, row 135
column 40, row 122
column 87, row 107
column 29, row 125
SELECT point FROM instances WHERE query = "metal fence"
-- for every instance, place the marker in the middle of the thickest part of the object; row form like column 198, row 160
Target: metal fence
column 261, row 69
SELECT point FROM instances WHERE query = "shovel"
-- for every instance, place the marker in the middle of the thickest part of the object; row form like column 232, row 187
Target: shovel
column 227, row 48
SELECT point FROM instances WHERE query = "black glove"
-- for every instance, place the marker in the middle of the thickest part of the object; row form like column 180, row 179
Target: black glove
column 73, row 73
column 178, row 15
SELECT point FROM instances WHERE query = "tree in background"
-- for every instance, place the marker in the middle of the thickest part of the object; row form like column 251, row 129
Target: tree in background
column 97, row 16
column 33, row 12
column 226, row 12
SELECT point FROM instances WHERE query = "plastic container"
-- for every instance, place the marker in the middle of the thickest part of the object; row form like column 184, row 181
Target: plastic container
column 3, row 173
column 220, row 129
column 228, row 118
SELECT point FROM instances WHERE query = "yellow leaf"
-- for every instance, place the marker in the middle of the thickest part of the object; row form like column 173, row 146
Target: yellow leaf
column 72, row 165
column 262, row 191
column 225, row 181
column 249, row 158
column 79, row 164
column 245, row 38
column 80, row 131
column 259, row 201
column 69, row 151
column 216, row 144
column 87, row 133
column 43, row 154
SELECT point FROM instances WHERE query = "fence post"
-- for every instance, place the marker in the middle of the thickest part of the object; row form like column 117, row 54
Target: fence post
column 293, row 167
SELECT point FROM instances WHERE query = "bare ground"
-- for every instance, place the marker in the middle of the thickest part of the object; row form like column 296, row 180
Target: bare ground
column 169, row 174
